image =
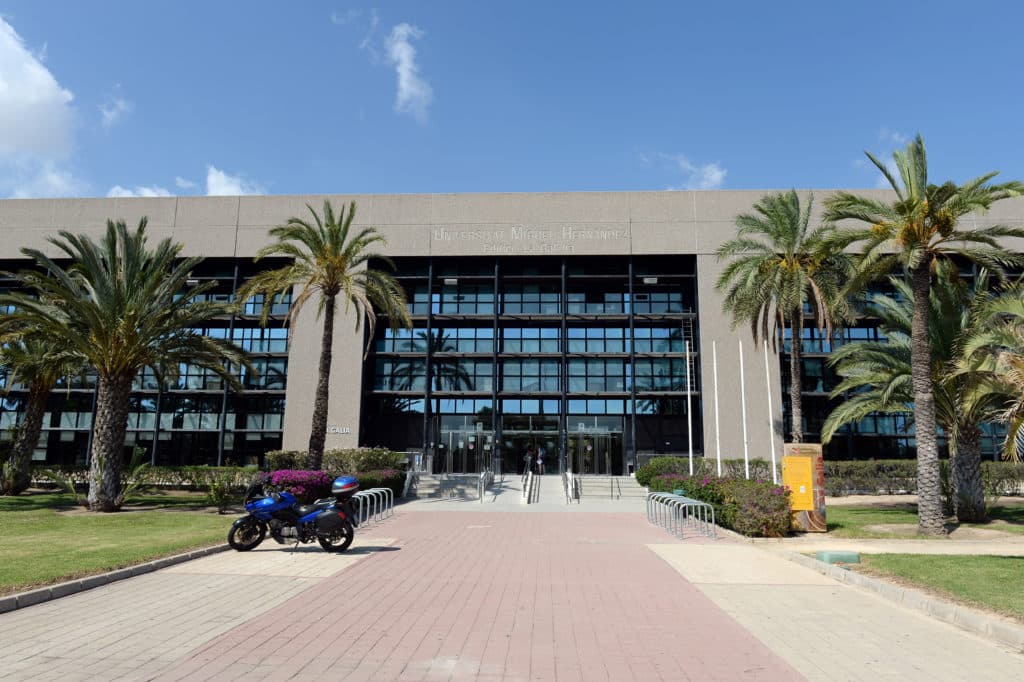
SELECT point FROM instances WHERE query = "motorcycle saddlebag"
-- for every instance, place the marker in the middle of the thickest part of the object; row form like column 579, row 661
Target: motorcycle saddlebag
column 329, row 521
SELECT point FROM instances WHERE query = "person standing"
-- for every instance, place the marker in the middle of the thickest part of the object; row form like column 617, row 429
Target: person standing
column 540, row 459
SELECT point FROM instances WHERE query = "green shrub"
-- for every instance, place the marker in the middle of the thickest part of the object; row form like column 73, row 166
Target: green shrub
column 361, row 459
column 383, row 478
column 660, row 466
column 224, row 490
column 286, row 459
column 753, row 508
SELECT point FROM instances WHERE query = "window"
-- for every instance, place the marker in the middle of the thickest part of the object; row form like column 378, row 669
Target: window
column 530, row 375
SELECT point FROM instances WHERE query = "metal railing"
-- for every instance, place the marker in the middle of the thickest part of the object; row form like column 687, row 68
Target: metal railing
column 527, row 488
column 483, row 483
column 569, row 486
column 374, row 504
column 676, row 513
column 410, row 480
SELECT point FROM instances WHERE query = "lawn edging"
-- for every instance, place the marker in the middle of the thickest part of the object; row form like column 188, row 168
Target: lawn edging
column 964, row 617
column 43, row 594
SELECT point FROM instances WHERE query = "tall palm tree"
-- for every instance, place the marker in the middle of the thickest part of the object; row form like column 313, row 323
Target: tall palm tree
column 39, row 363
column 779, row 266
column 914, row 232
column 994, row 356
column 878, row 375
column 329, row 260
column 118, row 306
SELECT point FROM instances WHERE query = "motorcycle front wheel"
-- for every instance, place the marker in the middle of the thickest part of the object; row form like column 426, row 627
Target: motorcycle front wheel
column 339, row 540
column 246, row 533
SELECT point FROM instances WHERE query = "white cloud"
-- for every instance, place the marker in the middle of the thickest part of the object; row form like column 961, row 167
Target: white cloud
column 414, row 93
column 705, row 176
column 154, row 191
column 113, row 109
column 182, row 183
column 35, row 111
column 346, row 17
column 219, row 183
column 889, row 140
column 40, row 179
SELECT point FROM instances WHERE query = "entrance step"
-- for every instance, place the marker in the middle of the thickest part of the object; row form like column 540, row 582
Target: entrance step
column 463, row 487
column 613, row 487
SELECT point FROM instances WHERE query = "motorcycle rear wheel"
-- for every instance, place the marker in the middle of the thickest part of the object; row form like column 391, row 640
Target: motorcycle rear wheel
column 339, row 540
column 247, row 534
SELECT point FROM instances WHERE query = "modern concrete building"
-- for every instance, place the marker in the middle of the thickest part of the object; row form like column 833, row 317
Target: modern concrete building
column 585, row 323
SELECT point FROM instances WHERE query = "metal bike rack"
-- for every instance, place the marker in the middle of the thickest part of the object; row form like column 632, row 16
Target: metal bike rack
column 379, row 504
column 676, row 513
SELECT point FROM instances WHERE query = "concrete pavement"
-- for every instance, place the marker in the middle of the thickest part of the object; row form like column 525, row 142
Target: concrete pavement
column 432, row 595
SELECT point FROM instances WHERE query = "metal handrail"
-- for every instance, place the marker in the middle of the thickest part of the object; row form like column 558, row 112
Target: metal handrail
column 569, row 486
column 484, row 482
column 676, row 513
column 527, row 487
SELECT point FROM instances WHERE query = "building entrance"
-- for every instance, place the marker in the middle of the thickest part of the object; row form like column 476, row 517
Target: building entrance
column 595, row 453
column 463, row 452
column 516, row 444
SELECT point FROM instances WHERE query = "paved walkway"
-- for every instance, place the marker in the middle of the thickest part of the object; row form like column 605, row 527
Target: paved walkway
column 431, row 595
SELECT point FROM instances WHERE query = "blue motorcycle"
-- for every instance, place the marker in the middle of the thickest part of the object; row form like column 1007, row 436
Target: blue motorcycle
column 329, row 521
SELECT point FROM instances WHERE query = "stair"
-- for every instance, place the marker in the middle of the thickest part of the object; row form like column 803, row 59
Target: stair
column 610, row 487
column 434, row 486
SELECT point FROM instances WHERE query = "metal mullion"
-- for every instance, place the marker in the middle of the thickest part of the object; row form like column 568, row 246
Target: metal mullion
column 496, row 453
column 632, row 369
column 224, row 396
column 427, row 444
column 563, row 403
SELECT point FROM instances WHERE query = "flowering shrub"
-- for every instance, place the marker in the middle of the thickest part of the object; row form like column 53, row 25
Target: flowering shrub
column 754, row 508
column 306, row 485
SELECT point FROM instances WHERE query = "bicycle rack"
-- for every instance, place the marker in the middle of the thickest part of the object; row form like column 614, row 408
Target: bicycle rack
column 374, row 504
column 676, row 513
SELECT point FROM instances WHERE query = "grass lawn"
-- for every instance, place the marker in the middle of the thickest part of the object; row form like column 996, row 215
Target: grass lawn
column 45, row 539
column 851, row 521
column 992, row 582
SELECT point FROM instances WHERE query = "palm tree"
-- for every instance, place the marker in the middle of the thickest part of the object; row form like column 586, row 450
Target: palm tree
column 994, row 355
column 878, row 374
column 780, row 266
column 914, row 233
column 327, row 262
column 38, row 363
column 119, row 306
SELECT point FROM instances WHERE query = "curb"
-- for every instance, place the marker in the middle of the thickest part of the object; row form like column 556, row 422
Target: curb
column 966, row 618
column 43, row 594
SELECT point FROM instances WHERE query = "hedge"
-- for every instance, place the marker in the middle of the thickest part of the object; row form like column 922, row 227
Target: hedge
column 193, row 477
column 753, row 508
column 846, row 477
column 342, row 460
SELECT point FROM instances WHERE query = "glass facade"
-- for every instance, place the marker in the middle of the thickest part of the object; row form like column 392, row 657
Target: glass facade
column 585, row 357
column 194, row 419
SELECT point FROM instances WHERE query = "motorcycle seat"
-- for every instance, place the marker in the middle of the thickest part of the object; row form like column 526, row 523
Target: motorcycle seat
column 304, row 509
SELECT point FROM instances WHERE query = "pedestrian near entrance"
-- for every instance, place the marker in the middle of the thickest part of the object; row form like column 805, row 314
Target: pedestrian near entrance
column 528, row 459
column 540, row 460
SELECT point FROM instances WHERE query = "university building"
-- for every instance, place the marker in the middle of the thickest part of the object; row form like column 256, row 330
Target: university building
column 586, row 323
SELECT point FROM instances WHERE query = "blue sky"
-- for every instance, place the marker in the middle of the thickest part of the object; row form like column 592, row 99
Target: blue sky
column 188, row 97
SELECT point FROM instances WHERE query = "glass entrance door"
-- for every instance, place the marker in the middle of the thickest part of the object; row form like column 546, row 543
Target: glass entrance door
column 595, row 453
column 518, row 443
column 463, row 452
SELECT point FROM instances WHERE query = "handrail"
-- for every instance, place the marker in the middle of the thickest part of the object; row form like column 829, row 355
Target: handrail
column 410, row 478
column 483, row 483
column 527, row 488
column 675, row 513
column 569, row 486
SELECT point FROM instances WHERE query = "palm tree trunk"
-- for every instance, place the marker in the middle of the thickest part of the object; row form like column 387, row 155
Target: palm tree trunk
column 16, row 477
column 318, row 430
column 968, row 493
column 929, row 488
column 112, row 400
column 796, row 376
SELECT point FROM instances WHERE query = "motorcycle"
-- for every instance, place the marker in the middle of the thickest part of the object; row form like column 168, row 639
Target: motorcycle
column 329, row 521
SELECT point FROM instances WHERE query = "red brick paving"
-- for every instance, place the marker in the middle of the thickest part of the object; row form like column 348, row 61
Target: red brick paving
column 498, row 596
